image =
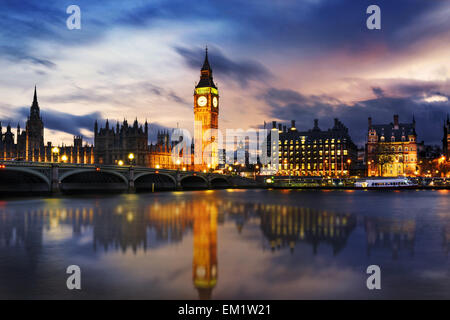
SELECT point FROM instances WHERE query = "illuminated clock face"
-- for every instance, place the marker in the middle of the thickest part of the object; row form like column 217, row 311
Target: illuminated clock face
column 201, row 101
column 215, row 102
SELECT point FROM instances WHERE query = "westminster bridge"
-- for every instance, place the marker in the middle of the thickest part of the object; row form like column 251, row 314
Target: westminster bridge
column 38, row 177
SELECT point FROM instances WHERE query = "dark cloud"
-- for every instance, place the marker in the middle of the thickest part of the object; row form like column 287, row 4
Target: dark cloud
column 309, row 25
column 65, row 122
column 241, row 71
column 288, row 104
column 115, row 94
column 378, row 92
column 16, row 54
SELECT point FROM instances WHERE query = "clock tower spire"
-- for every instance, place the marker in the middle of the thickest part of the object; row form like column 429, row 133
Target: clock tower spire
column 206, row 113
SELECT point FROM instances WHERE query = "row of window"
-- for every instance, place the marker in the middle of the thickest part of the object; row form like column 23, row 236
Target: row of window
column 311, row 166
column 382, row 139
column 309, row 142
column 320, row 153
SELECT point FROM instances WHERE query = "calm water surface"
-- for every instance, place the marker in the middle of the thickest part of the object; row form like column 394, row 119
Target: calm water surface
column 228, row 244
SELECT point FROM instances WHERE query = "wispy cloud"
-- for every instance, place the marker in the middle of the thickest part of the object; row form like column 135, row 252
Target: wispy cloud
column 241, row 71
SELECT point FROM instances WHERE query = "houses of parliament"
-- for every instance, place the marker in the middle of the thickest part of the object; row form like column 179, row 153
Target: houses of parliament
column 114, row 143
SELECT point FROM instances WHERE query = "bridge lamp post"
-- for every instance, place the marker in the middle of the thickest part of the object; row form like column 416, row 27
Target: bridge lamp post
column 55, row 151
column 349, row 161
column 120, row 163
column 64, row 158
column 131, row 158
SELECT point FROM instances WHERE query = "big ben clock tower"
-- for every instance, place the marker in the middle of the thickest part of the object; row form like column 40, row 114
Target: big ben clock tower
column 206, row 113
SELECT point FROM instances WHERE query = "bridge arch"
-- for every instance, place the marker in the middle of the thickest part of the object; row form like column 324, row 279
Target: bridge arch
column 220, row 182
column 23, row 180
column 102, row 180
column 156, row 181
column 194, row 182
column 30, row 172
column 78, row 171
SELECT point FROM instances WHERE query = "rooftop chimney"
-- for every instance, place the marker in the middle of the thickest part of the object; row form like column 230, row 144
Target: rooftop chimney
column 395, row 121
column 274, row 124
column 316, row 124
column 292, row 124
column 370, row 122
column 280, row 128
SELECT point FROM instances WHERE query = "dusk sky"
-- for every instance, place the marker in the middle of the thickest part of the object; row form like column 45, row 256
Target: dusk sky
column 272, row 60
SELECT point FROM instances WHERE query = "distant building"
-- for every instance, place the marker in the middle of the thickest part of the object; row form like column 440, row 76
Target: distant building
column 314, row 152
column 113, row 145
column 446, row 139
column 29, row 145
column 431, row 161
column 392, row 149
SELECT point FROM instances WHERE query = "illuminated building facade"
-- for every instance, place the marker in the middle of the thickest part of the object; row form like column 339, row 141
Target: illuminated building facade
column 29, row 145
column 392, row 149
column 160, row 155
column 315, row 152
column 206, row 114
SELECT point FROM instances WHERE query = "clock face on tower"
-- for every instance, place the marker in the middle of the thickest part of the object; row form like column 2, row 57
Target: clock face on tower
column 201, row 101
column 215, row 102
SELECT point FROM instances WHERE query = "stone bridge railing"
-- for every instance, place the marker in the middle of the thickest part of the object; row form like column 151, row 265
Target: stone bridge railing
column 57, row 177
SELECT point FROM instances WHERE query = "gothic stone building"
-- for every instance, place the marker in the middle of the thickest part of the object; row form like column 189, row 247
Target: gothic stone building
column 29, row 144
column 392, row 149
column 116, row 144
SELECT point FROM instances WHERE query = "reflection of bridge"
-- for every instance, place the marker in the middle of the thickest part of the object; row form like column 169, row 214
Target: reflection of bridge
column 60, row 177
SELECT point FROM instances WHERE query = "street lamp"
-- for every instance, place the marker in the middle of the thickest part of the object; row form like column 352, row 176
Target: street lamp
column 55, row 151
column 120, row 162
column 64, row 158
column 131, row 157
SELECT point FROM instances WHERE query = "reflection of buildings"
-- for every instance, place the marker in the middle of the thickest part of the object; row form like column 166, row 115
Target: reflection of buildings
column 392, row 234
column 445, row 222
column 122, row 228
column 204, row 267
column 285, row 226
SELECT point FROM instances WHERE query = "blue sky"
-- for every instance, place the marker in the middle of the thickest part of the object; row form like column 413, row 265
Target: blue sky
column 273, row 60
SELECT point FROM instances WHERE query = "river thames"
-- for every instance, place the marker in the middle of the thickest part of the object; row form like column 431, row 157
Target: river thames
column 228, row 244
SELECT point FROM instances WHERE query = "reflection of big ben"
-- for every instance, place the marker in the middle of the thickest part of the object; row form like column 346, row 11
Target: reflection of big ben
column 204, row 267
column 206, row 113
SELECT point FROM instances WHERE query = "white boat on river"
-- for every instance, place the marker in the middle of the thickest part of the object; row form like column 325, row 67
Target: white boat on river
column 385, row 183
